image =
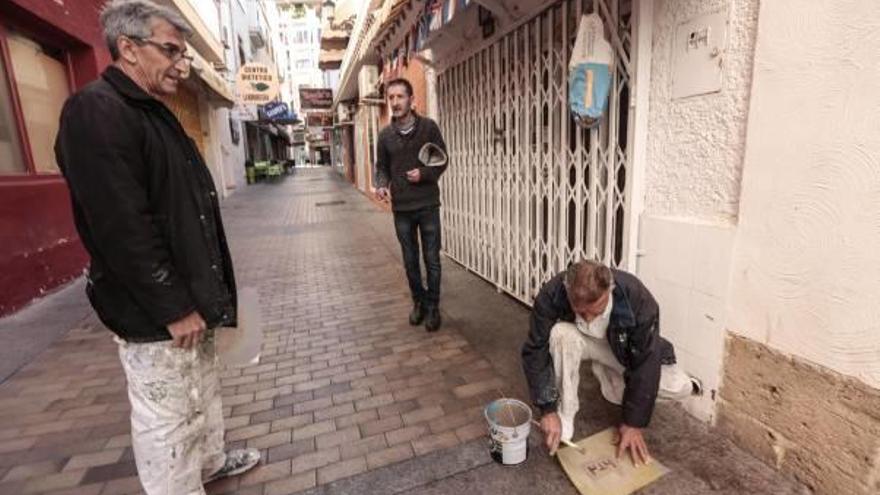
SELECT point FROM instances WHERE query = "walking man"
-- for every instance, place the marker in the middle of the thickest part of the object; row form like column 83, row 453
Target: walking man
column 593, row 313
column 415, row 197
column 161, row 275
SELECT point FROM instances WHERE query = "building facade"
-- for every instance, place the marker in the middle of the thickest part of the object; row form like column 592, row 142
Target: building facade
column 48, row 50
column 266, row 140
column 300, row 35
column 338, row 20
column 203, row 102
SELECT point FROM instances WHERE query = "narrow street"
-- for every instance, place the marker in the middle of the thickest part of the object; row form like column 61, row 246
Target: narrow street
column 347, row 398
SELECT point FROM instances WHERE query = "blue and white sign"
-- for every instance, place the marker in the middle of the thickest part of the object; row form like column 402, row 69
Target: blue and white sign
column 275, row 109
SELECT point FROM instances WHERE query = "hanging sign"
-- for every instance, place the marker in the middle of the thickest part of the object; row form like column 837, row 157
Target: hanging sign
column 319, row 119
column 276, row 109
column 315, row 98
column 245, row 112
column 257, row 84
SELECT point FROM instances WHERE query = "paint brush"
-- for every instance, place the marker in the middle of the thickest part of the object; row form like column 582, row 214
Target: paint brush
column 507, row 407
column 536, row 423
column 565, row 442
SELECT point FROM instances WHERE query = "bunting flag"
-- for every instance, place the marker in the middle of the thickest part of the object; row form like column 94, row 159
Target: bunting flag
column 414, row 39
column 448, row 10
column 437, row 14
column 434, row 12
column 423, row 31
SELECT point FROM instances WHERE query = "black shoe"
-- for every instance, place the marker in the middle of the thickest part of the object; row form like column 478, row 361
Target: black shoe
column 417, row 314
column 433, row 320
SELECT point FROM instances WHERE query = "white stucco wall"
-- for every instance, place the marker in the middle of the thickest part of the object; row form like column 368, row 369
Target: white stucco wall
column 686, row 265
column 806, row 269
column 692, row 184
column 231, row 155
column 695, row 144
column 209, row 13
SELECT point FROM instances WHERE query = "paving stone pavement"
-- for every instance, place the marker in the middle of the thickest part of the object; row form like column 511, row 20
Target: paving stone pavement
column 344, row 384
column 347, row 399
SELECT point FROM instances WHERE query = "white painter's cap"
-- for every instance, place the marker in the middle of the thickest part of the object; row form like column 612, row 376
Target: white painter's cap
column 432, row 155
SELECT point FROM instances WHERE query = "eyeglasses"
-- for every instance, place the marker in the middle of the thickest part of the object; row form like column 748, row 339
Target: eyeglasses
column 174, row 53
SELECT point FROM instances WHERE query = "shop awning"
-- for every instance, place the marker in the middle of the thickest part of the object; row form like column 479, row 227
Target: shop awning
column 213, row 81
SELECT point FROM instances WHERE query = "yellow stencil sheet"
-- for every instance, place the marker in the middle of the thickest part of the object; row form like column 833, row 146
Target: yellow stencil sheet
column 600, row 473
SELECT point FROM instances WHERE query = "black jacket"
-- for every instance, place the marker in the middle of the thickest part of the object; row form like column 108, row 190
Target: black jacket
column 633, row 333
column 396, row 154
column 146, row 210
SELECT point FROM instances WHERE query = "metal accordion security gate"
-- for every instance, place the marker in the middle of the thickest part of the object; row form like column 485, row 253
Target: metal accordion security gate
column 528, row 191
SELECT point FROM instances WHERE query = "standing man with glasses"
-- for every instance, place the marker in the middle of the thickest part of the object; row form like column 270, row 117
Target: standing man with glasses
column 161, row 275
column 415, row 197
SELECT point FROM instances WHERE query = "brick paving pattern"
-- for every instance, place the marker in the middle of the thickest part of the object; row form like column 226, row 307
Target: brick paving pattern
column 344, row 384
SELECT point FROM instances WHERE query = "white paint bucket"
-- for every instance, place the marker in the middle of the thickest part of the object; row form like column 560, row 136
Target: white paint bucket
column 509, row 426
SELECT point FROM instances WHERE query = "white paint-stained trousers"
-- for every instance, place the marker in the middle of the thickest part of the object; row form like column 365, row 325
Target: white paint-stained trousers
column 569, row 347
column 176, row 414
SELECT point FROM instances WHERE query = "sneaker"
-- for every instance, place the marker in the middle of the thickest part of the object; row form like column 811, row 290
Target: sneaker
column 696, row 386
column 433, row 320
column 417, row 315
column 238, row 461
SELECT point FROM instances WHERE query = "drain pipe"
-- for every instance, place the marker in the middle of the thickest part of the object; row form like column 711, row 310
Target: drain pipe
column 643, row 20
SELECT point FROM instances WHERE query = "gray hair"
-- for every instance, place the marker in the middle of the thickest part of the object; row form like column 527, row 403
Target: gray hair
column 132, row 18
column 585, row 281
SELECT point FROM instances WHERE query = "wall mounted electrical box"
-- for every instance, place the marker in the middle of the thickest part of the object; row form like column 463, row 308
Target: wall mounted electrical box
column 698, row 55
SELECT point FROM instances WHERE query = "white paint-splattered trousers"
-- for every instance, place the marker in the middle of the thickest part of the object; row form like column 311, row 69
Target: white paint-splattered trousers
column 176, row 414
column 569, row 347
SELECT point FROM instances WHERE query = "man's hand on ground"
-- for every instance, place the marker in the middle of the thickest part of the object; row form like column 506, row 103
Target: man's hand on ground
column 382, row 193
column 414, row 175
column 188, row 330
column 630, row 438
column 552, row 428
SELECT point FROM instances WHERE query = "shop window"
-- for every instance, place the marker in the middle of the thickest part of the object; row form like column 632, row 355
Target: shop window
column 40, row 75
column 11, row 159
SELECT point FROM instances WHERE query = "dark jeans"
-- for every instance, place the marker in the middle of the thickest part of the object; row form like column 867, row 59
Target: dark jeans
column 409, row 226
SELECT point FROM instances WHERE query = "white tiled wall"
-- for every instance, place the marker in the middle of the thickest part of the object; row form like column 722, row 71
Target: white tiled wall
column 686, row 265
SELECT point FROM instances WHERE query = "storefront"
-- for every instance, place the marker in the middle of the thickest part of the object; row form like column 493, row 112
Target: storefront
column 267, row 141
column 203, row 98
column 47, row 51
column 530, row 189
column 185, row 106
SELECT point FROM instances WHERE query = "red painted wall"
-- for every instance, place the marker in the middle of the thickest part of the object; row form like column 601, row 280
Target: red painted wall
column 39, row 248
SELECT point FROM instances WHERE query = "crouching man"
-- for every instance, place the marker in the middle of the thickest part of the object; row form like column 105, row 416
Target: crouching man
column 609, row 318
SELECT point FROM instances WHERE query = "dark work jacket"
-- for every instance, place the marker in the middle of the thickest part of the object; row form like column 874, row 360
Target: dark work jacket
column 396, row 154
column 146, row 210
column 633, row 333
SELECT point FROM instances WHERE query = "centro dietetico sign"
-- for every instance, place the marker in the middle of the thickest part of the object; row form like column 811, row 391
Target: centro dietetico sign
column 257, row 84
